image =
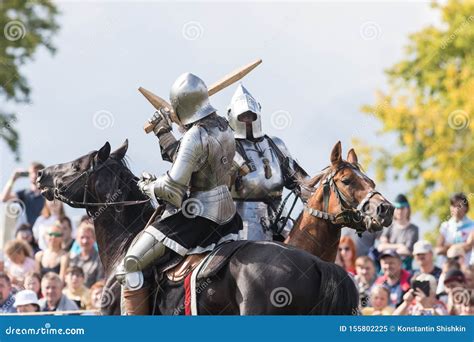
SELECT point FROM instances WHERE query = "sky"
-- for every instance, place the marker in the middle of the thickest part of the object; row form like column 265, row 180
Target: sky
column 321, row 62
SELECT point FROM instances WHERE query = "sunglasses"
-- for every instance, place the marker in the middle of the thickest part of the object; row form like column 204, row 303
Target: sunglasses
column 55, row 234
column 456, row 258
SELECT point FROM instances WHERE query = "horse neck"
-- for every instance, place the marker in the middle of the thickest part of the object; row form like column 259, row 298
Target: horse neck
column 314, row 235
column 116, row 230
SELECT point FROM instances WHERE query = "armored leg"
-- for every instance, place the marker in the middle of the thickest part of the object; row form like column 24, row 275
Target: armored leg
column 144, row 250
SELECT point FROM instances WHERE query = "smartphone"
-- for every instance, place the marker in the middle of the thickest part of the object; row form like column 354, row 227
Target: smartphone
column 423, row 286
column 24, row 174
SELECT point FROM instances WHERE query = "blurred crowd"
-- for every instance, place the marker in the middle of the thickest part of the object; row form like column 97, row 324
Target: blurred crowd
column 398, row 273
column 51, row 264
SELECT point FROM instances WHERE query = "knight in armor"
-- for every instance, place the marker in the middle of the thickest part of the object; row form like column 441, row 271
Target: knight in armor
column 200, row 212
column 262, row 167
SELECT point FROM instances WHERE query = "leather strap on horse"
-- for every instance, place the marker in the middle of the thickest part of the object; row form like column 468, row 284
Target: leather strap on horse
column 350, row 217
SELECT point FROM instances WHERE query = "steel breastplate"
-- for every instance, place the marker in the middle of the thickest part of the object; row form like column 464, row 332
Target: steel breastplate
column 265, row 180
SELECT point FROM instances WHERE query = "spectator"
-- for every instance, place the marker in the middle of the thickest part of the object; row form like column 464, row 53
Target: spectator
column 75, row 289
column 417, row 303
column 26, row 301
column 54, row 300
column 469, row 275
column 25, row 233
column 76, row 248
column 455, row 286
column 456, row 252
column 52, row 211
column 423, row 252
column 365, row 278
column 33, row 283
column 402, row 235
column 458, row 228
column 6, row 295
column 20, row 261
column 95, row 302
column 348, row 253
column 68, row 241
column 467, row 308
column 31, row 198
column 447, row 266
column 364, row 243
column 51, row 259
column 88, row 259
column 379, row 300
column 394, row 277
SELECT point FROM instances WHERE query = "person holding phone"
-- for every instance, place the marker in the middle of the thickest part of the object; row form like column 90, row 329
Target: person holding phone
column 30, row 199
column 421, row 300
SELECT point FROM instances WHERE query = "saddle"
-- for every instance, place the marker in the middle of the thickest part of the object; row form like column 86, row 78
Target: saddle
column 178, row 267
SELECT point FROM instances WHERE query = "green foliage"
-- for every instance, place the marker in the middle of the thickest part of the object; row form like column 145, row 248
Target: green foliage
column 25, row 26
column 429, row 109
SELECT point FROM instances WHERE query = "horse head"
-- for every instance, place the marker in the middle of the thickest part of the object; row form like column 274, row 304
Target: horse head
column 88, row 179
column 346, row 196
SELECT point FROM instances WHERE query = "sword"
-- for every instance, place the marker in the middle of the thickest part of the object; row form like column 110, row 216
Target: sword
column 162, row 105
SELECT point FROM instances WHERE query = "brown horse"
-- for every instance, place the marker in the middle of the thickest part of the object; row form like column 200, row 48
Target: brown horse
column 343, row 190
column 102, row 183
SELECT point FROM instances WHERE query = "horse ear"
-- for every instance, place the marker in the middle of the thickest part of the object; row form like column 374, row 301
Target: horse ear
column 104, row 152
column 119, row 153
column 336, row 154
column 352, row 156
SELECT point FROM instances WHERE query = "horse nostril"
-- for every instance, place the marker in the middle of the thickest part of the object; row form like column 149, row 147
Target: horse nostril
column 384, row 209
column 39, row 175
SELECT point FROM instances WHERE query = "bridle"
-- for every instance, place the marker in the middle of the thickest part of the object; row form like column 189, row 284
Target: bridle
column 348, row 216
column 84, row 203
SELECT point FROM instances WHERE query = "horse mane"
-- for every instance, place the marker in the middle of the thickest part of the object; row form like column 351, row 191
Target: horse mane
column 120, row 226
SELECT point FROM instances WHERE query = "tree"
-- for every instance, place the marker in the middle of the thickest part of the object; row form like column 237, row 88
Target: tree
column 25, row 26
column 428, row 109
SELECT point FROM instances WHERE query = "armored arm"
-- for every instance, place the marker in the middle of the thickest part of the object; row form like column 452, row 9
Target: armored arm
column 163, row 131
column 168, row 146
column 190, row 155
column 293, row 173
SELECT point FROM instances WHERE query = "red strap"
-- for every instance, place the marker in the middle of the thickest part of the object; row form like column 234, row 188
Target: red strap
column 187, row 294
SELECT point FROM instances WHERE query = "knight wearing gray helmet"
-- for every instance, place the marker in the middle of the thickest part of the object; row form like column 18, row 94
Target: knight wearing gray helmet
column 199, row 210
column 262, row 168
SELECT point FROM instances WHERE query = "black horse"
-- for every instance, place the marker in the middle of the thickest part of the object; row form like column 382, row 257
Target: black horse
column 261, row 278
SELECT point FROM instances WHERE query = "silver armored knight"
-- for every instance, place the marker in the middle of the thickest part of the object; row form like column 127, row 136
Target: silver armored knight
column 262, row 168
column 200, row 212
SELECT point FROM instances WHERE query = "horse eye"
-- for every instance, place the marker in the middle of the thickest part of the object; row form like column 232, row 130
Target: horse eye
column 346, row 181
column 75, row 167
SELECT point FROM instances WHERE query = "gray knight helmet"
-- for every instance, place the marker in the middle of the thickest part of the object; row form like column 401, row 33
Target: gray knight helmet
column 190, row 99
column 243, row 102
